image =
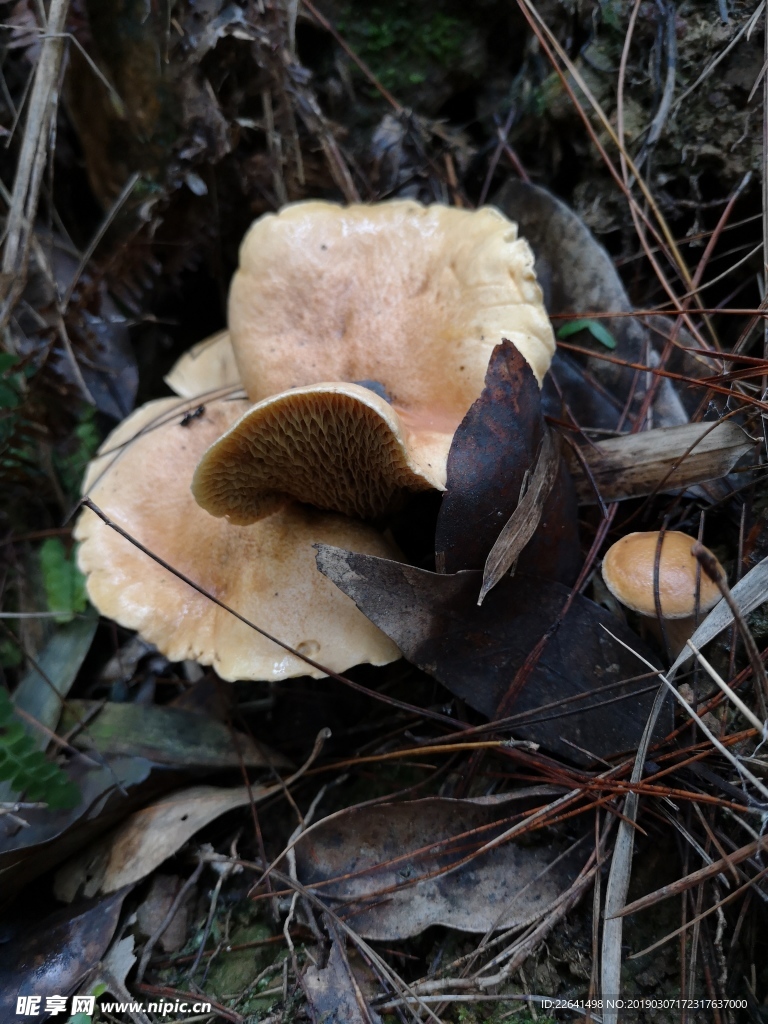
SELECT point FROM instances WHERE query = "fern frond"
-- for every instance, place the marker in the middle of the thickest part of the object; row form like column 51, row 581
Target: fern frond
column 25, row 768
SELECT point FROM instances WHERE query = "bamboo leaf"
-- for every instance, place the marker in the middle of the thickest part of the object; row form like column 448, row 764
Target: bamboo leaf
column 595, row 328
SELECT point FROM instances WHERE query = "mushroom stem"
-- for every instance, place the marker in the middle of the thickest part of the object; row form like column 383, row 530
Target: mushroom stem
column 673, row 633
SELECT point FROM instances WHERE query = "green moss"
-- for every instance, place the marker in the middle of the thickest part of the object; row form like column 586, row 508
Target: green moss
column 233, row 970
column 403, row 43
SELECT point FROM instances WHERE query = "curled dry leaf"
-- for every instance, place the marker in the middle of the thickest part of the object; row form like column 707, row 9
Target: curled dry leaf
column 54, row 954
column 577, row 276
column 749, row 593
column 150, row 836
column 388, row 869
column 584, row 685
column 496, row 442
column 523, row 522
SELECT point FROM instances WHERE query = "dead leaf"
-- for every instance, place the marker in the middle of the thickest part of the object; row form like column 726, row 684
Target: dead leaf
column 333, row 993
column 153, row 910
column 165, row 735
column 577, row 275
column 495, row 444
column 585, row 683
column 149, row 837
column 54, row 954
column 97, row 363
column 125, row 661
column 523, row 522
column 111, row 973
column 394, row 865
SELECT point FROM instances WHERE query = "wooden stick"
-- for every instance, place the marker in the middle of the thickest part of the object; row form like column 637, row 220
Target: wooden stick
column 666, row 459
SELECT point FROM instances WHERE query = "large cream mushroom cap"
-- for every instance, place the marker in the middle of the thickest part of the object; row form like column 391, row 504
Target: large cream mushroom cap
column 334, row 446
column 266, row 572
column 628, row 571
column 413, row 297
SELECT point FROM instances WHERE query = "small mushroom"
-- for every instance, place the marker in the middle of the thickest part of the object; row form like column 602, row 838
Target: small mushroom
column 408, row 300
column 628, row 572
column 266, row 571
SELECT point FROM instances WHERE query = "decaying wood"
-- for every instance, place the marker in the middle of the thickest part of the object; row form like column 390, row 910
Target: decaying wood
column 665, row 459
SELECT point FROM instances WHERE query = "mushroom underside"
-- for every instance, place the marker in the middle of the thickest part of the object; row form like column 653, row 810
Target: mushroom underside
column 336, row 446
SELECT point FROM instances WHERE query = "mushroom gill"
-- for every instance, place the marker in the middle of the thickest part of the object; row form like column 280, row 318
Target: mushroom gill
column 334, row 446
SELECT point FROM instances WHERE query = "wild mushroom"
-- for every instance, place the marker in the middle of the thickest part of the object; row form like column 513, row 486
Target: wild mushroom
column 368, row 455
column 265, row 571
column 399, row 307
column 628, row 572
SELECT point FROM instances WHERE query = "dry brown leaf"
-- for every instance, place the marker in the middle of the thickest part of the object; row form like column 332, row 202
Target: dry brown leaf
column 55, row 953
column 334, row 993
column 389, row 871
column 524, row 521
column 150, row 836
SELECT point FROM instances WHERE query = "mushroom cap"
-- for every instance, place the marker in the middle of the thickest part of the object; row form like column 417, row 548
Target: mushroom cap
column 628, row 570
column 208, row 366
column 266, row 571
column 413, row 297
column 334, row 446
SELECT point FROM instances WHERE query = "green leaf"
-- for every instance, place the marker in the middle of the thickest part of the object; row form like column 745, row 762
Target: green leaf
column 9, row 396
column 63, row 796
column 33, row 761
column 595, row 328
column 64, row 584
column 25, row 768
column 14, row 732
column 7, row 361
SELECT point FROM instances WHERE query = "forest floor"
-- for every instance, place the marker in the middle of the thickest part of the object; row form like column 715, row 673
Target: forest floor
column 339, row 849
